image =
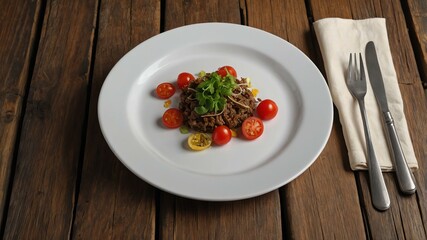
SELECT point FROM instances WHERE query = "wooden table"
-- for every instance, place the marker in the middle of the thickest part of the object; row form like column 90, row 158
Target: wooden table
column 59, row 179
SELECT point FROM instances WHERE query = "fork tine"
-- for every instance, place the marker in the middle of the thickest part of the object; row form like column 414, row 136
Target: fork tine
column 362, row 69
column 356, row 67
column 350, row 68
column 356, row 82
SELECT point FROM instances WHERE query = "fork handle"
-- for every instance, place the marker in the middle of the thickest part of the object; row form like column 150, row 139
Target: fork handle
column 404, row 175
column 379, row 193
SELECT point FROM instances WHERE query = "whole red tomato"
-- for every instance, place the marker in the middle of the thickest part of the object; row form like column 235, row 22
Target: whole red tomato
column 184, row 79
column 221, row 135
column 267, row 109
column 222, row 71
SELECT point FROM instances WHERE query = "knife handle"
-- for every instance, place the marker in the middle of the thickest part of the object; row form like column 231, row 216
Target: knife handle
column 404, row 175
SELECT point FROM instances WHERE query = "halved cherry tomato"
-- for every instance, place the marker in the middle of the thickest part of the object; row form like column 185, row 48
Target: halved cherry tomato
column 172, row 118
column 221, row 135
column 165, row 90
column 184, row 79
column 199, row 141
column 252, row 128
column 222, row 71
column 267, row 109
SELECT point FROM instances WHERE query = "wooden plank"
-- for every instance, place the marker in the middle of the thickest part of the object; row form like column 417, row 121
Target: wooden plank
column 407, row 216
column 417, row 15
column 17, row 47
column 306, row 201
column 179, row 218
column 180, row 13
column 416, row 114
column 255, row 218
column 113, row 203
column 42, row 199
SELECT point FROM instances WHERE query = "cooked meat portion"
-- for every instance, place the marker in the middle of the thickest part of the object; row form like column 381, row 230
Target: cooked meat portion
column 240, row 105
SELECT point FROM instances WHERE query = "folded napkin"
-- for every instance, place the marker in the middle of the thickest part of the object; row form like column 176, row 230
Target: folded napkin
column 337, row 39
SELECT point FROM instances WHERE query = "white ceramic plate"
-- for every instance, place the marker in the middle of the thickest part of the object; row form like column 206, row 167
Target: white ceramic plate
column 130, row 113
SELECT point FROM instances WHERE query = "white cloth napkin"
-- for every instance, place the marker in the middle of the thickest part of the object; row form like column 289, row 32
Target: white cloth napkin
column 337, row 39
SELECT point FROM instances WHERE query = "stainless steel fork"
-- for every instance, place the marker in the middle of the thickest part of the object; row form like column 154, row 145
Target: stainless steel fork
column 356, row 83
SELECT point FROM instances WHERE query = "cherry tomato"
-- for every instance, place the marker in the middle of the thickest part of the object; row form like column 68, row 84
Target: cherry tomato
column 267, row 109
column 252, row 128
column 199, row 141
column 221, row 135
column 184, row 79
column 222, row 71
column 172, row 118
column 165, row 90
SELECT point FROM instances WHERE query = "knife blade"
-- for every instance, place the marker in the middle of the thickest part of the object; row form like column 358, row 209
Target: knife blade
column 404, row 175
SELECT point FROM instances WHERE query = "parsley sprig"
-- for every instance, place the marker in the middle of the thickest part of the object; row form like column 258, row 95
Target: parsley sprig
column 212, row 93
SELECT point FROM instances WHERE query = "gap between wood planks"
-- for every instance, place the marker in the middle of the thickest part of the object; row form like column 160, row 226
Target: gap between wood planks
column 34, row 45
column 417, row 48
column 86, row 118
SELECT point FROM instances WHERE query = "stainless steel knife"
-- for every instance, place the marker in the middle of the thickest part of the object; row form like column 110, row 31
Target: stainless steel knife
column 404, row 175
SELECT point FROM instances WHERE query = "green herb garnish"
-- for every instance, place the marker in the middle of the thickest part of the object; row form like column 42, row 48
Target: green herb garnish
column 212, row 93
column 183, row 129
column 202, row 73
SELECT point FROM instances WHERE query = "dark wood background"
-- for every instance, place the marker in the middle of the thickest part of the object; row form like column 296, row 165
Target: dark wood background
column 59, row 179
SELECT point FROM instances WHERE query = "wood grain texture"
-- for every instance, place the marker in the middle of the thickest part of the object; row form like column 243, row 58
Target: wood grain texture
column 407, row 216
column 417, row 15
column 183, row 12
column 255, row 218
column 416, row 114
column 113, row 203
column 16, row 50
column 179, row 218
column 42, row 199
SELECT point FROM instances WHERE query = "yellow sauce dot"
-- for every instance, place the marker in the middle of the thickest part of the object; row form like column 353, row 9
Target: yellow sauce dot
column 167, row 103
column 255, row 92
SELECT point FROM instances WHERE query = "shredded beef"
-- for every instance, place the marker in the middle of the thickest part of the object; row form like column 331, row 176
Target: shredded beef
column 233, row 115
